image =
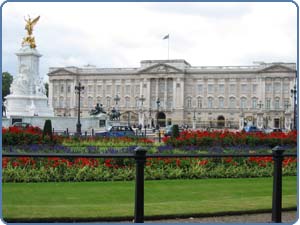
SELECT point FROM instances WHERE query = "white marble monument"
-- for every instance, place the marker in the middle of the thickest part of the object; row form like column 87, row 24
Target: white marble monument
column 28, row 96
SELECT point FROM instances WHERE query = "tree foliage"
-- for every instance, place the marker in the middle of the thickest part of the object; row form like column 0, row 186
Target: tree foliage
column 7, row 79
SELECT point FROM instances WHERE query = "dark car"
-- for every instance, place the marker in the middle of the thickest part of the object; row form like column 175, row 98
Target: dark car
column 251, row 129
column 169, row 130
column 117, row 131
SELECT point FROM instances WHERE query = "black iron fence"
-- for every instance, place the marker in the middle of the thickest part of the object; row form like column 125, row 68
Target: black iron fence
column 140, row 157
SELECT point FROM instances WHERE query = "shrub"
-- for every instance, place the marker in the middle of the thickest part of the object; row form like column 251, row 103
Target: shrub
column 48, row 129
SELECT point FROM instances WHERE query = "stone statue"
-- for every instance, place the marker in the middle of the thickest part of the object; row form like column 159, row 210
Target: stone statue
column 29, row 27
column 30, row 23
column 115, row 114
column 20, row 84
column 3, row 110
column 98, row 109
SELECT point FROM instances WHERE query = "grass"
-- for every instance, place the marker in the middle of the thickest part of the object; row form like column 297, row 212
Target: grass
column 98, row 200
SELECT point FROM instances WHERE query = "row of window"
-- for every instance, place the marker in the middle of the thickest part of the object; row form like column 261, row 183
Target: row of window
column 90, row 89
column 244, row 88
column 233, row 103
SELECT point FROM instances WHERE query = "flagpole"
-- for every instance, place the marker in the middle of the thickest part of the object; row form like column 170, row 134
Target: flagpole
column 168, row 47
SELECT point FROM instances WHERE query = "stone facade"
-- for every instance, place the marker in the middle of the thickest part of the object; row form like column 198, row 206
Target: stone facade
column 221, row 96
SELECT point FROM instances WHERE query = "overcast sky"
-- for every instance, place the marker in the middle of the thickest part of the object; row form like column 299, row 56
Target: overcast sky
column 123, row 34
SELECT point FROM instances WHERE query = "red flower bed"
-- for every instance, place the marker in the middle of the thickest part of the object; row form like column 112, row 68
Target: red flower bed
column 227, row 138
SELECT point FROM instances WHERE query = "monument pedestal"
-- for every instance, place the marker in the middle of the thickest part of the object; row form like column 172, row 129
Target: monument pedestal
column 28, row 96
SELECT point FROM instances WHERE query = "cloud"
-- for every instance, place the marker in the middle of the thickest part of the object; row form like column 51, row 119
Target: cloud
column 120, row 34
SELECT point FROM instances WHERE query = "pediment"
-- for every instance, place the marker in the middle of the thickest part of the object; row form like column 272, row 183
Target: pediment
column 161, row 69
column 277, row 68
column 61, row 71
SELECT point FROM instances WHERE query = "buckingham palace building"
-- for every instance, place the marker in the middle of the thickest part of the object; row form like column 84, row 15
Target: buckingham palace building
column 167, row 92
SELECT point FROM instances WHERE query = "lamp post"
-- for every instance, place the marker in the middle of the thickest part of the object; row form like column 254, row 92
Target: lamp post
column 158, row 105
column 141, row 119
column 294, row 94
column 194, row 119
column 78, row 90
column 260, row 115
column 117, row 99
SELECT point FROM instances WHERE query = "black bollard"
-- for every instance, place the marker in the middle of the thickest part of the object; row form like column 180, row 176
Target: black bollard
column 277, row 184
column 140, row 160
column 159, row 136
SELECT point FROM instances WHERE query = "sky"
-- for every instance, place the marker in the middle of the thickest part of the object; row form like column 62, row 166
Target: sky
column 114, row 34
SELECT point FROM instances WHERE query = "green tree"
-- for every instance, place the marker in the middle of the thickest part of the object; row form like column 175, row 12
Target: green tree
column 6, row 82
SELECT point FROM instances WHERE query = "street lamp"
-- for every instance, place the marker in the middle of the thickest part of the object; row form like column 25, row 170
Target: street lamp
column 141, row 117
column 294, row 94
column 194, row 119
column 78, row 90
column 260, row 104
column 117, row 99
column 158, row 105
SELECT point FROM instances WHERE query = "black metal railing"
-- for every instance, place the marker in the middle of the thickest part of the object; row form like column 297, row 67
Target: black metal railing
column 140, row 157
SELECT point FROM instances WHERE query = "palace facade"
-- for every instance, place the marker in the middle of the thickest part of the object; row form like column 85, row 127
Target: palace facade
column 199, row 96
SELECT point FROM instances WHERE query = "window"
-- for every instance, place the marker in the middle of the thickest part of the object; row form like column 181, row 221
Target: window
column 99, row 100
column 108, row 102
column 232, row 103
column 99, row 89
column 244, row 88
column 137, row 102
column 127, row 102
column 210, row 103
column 286, row 88
column 90, row 102
column 189, row 103
column 232, row 88
column 286, row 104
column 55, row 89
column 221, row 103
column 277, row 87
column 69, row 88
column 108, row 89
column 137, row 89
column 199, row 103
column 268, row 103
column 61, row 102
column 199, row 89
column 277, row 103
column 118, row 89
column 243, row 103
column 254, row 88
column 268, row 88
column 169, row 103
column 90, row 89
column 254, row 103
column 210, row 88
column 55, row 103
column 61, row 88
column 221, row 89
column 127, row 90
column 68, row 102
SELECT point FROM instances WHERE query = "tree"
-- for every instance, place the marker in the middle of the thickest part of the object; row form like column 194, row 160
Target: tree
column 46, row 88
column 6, row 82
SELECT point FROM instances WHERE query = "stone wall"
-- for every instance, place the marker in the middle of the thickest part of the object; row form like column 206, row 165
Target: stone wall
column 60, row 123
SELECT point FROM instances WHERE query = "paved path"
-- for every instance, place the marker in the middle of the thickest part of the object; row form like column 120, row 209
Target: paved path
column 287, row 217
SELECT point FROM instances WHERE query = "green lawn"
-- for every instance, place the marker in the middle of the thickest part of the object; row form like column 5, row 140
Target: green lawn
column 93, row 200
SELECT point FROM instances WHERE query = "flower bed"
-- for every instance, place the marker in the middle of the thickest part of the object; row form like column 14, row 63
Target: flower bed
column 25, row 169
column 228, row 139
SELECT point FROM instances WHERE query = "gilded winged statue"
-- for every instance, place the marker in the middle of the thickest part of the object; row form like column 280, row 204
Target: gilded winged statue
column 30, row 23
column 29, row 27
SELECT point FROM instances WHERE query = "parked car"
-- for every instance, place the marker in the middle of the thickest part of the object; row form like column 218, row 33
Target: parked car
column 251, row 129
column 169, row 130
column 21, row 125
column 117, row 131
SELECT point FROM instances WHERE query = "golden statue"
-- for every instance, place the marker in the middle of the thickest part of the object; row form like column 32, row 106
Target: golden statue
column 29, row 27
